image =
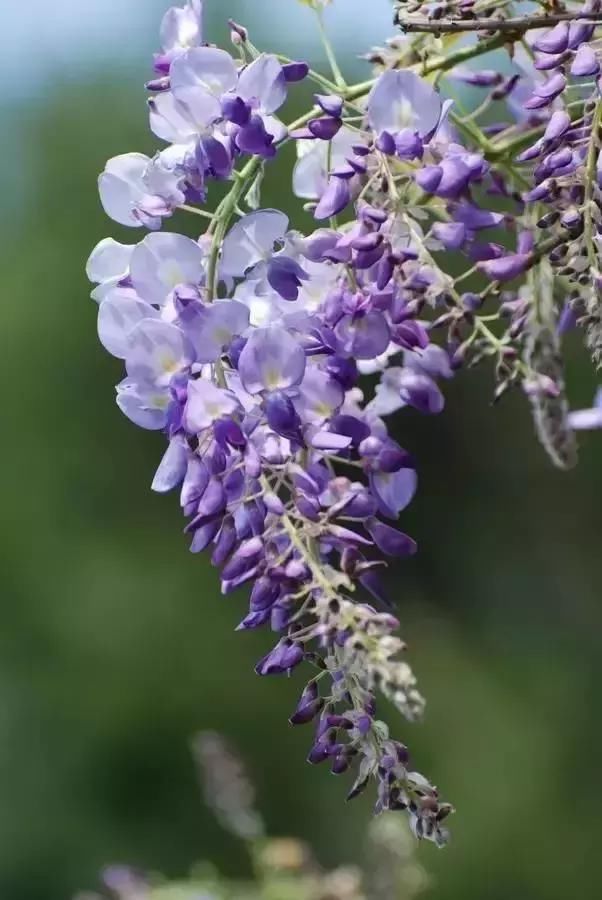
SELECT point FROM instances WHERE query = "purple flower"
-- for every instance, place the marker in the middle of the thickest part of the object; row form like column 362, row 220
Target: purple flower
column 559, row 123
column 554, row 41
column 285, row 275
column 389, row 540
column 181, row 28
column 394, row 490
column 334, row 199
column 272, row 360
column 156, row 353
column 118, row 315
column 547, row 91
column 585, row 62
column 478, row 78
column 506, row 267
column 137, row 191
column 364, row 336
column 206, row 404
column 324, row 128
column 163, row 261
column 173, row 466
column 331, row 104
column 586, row 419
column 217, row 327
column 251, row 240
column 320, row 396
column 400, row 99
column 199, row 79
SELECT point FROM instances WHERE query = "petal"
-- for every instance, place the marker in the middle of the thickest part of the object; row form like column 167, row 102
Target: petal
column 157, row 351
column 400, row 99
column 334, row 199
column 394, row 490
column 118, row 315
column 109, row 260
column 263, row 80
column 250, row 240
column 161, row 262
column 585, row 419
column 172, row 467
column 206, row 68
column 120, row 185
column 205, row 404
column 271, row 360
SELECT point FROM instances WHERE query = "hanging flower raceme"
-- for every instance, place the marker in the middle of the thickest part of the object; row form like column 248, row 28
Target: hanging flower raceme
column 246, row 346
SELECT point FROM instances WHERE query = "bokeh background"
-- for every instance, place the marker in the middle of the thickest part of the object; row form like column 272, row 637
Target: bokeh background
column 115, row 646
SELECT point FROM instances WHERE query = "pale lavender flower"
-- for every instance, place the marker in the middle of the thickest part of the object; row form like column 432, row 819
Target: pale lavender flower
column 137, row 191
column 586, row 419
column 118, row 315
column 310, row 174
column 271, row 360
column 206, row 404
column 145, row 405
column 400, row 99
column 251, row 241
column 108, row 264
column 199, row 79
column 181, row 28
column 157, row 351
column 163, row 261
column 216, row 328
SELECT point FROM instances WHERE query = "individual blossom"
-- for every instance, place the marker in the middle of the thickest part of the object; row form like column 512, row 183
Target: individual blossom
column 139, row 192
column 181, row 29
column 586, row 419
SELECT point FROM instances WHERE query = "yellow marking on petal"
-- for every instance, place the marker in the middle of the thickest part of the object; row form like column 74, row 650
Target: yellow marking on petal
column 172, row 274
column 272, row 379
column 169, row 363
column 323, row 410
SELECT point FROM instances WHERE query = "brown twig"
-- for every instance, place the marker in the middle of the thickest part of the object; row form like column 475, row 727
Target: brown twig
column 517, row 25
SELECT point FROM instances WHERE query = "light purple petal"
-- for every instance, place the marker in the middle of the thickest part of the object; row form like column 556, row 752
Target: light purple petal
column 400, row 99
column 145, row 407
column 172, row 467
column 157, row 351
column 334, row 199
column 329, row 440
column 161, row 262
column 108, row 261
column 263, row 80
column 120, row 186
column 118, row 315
column 222, row 321
column 205, row 404
column 320, row 396
column 170, row 120
column 271, row 360
column 200, row 77
column 250, row 240
column 182, row 28
column 584, row 419
column 394, row 490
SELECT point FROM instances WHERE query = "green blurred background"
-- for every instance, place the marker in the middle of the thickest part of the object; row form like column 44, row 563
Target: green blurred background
column 115, row 646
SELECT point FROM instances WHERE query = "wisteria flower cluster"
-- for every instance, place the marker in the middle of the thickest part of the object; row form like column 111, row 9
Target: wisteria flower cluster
column 246, row 346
